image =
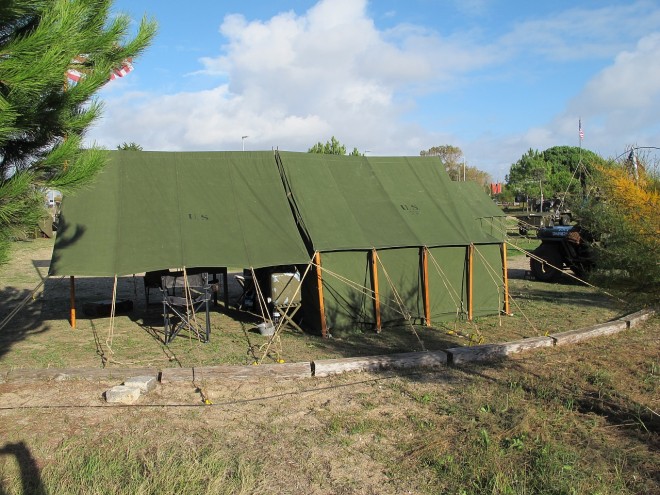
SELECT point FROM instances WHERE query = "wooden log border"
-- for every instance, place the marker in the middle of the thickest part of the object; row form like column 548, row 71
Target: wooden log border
column 327, row 367
column 408, row 360
column 494, row 352
column 65, row 374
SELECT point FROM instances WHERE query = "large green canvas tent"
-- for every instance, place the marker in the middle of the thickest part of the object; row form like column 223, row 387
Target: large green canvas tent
column 396, row 229
column 410, row 241
column 158, row 210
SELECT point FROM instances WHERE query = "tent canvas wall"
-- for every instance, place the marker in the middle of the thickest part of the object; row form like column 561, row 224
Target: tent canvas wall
column 397, row 226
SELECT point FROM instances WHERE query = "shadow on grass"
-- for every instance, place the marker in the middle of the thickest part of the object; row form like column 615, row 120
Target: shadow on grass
column 30, row 475
column 26, row 322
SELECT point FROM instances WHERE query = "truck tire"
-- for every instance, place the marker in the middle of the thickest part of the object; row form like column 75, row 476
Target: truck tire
column 543, row 270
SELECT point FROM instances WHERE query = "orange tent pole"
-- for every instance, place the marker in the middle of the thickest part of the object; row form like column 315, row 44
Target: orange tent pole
column 470, row 280
column 425, row 284
column 374, row 284
column 506, row 280
column 73, row 301
column 319, row 281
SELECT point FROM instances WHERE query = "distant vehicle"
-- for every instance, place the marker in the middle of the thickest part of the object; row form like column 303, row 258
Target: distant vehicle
column 549, row 213
column 562, row 247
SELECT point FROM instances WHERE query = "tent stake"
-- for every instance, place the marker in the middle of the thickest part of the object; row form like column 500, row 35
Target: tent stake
column 470, row 279
column 506, row 280
column 374, row 283
column 319, row 281
column 73, row 302
column 425, row 281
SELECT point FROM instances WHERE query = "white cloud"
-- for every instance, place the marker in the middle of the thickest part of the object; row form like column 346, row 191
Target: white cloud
column 292, row 80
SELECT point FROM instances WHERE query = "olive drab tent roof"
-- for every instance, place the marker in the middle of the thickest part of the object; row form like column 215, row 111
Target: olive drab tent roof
column 349, row 203
column 157, row 210
column 491, row 218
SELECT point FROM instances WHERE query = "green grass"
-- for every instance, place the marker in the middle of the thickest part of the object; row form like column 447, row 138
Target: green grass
column 551, row 422
column 116, row 464
column 574, row 419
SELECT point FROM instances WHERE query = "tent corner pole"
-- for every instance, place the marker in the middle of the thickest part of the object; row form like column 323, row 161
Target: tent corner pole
column 374, row 284
column 506, row 280
column 73, row 301
column 319, row 281
column 470, row 287
column 425, row 281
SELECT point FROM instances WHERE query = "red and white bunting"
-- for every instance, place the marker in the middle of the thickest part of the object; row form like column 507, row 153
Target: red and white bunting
column 121, row 72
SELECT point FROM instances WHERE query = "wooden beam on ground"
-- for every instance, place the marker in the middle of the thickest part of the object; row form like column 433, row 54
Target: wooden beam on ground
column 506, row 280
column 493, row 352
column 572, row 336
column 407, row 360
column 319, row 281
column 230, row 372
column 634, row 319
column 65, row 374
column 425, row 285
column 73, row 301
column 168, row 375
column 374, row 285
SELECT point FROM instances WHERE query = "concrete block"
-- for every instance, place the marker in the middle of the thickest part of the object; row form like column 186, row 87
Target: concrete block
column 121, row 394
column 144, row 383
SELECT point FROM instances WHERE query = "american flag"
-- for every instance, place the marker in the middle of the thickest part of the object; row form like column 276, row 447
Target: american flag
column 580, row 131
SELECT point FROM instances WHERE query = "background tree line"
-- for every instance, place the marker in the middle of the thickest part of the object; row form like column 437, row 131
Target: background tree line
column 454, row 162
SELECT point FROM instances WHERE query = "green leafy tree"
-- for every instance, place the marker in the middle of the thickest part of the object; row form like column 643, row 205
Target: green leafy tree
column 132, row 146
column 454, row 162
column 556, row 171
column 332, row 147
column 43, row 116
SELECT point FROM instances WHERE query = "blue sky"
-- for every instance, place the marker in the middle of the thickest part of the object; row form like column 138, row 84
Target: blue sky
column 391, row 77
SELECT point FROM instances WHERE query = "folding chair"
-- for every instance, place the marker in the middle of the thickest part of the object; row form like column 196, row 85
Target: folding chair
column 184, row 297
column 285, row 297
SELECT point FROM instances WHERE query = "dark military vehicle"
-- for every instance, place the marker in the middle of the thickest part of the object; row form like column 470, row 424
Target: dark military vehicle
column 562, row 247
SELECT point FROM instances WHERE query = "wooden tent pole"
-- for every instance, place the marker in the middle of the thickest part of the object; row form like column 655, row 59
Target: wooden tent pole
column 506, row 279
column 319, row 281
column 470, row 287
column 374, row 284
column 73, row 301
column 425, row 284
